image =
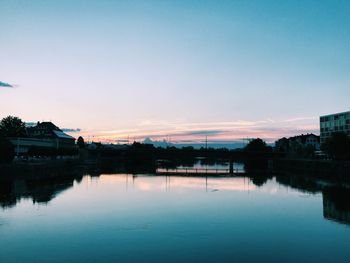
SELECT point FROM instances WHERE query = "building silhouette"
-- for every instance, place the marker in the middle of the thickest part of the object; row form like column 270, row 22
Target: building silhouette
column 44, row 135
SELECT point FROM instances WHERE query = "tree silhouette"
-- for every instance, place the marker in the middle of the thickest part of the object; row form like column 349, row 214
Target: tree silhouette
column 338, row 146
column 12, row 127
column 81, row 142
column 7, row 150
column 257, row 145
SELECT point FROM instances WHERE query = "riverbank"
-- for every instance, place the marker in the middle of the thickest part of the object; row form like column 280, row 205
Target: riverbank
column 318, row 168
column 56, row 168
column 39, row 170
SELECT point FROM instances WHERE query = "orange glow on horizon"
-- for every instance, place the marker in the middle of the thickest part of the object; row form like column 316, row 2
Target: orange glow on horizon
column 223, row 132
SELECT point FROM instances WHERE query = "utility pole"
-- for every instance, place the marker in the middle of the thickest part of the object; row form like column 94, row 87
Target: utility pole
column 17, row 153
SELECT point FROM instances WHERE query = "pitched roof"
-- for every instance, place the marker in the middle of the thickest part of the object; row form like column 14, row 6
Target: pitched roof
column 62, row 135
column 48, row 124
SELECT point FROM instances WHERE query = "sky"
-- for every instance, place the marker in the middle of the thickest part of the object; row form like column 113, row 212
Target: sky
column 175, row 70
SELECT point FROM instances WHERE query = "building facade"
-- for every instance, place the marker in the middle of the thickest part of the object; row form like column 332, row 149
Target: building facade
column 338, row 122
column 298, row 143
column 43, row 135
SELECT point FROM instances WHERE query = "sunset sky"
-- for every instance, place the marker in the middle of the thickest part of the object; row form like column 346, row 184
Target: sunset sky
column 175, row 69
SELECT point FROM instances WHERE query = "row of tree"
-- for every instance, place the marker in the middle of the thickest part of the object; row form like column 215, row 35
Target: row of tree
column 338, row 146
column 14, row 127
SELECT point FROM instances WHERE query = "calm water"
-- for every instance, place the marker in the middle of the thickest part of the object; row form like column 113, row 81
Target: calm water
column 125, row 218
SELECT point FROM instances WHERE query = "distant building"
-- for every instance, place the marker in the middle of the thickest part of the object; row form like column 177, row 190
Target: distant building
column 298, row 143
column 94, row 145
column 282, row 145
column 48, row 130
column 43, row 135
column 303, row 141
column 338, row 122
column 42, row 130
column 99, row 145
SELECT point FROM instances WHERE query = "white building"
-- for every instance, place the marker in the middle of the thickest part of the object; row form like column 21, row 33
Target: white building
column 338, row 122
column 43, row 135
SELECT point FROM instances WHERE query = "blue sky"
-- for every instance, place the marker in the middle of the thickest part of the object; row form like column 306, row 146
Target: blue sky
column 156, row 69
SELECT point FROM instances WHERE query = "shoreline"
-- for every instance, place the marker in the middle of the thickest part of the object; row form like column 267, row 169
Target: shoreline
column 329, row 169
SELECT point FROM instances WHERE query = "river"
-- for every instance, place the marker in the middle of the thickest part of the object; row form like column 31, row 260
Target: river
column 147, row 218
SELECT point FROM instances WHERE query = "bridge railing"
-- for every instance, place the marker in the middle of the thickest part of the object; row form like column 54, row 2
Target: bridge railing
column 195, row 171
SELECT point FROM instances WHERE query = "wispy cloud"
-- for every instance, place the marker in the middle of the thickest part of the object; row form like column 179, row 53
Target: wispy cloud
column 5, row 85
column 300, row 119
column 203, row 132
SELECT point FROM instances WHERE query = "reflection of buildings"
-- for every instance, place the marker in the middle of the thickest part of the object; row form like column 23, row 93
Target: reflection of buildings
column 40, row 191
column 339, row 122
column 301, row 183
column 336, row 199
column 336, row 204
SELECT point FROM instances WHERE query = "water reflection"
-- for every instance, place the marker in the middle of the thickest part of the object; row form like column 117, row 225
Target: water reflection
column 169, row 183
column 147, row 218
column 336, row 204
column 336, row 196
column 39, row 191
column 201, row 164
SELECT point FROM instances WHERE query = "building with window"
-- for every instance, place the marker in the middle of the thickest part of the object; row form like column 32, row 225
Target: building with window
column 43, row 135
column 339, row 122
column 298, row 144
column 48, row 130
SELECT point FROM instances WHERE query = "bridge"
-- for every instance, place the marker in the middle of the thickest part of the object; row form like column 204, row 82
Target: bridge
column 198, row 172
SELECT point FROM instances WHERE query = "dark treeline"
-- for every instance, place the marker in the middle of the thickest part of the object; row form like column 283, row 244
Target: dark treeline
column 149, row 152
column 337, row 146
column 256, row 148
column 145, row 157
